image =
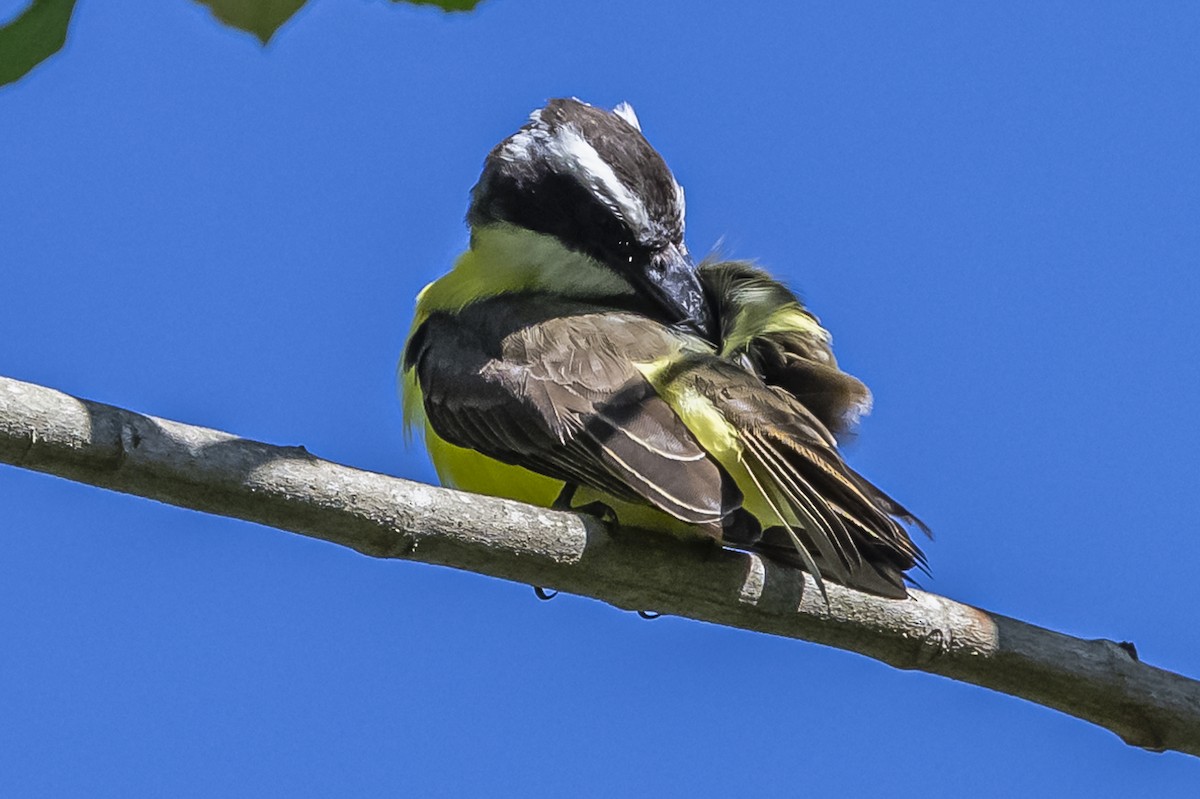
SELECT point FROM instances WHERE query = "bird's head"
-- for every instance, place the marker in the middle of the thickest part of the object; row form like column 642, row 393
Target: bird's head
column 588, row 179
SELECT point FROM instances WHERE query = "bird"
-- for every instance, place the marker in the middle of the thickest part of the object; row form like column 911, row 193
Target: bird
column 576, row 356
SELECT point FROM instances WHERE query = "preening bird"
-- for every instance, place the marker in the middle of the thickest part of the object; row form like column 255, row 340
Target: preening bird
column 576, row 355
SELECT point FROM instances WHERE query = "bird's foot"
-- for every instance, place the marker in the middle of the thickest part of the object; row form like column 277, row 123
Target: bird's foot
column 563, row 502
column 606, row 515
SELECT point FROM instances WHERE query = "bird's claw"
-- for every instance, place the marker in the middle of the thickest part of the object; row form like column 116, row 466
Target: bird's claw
column 543, row 594
column 606, row 515
column 563, row 501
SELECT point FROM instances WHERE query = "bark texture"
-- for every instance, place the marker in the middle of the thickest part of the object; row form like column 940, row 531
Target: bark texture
column 286, row 487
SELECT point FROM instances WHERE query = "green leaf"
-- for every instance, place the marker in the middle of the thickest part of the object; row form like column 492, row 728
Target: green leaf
column 41, row 31
column 260, row 17
column 264, row 17
column 445, row 5
column 31, row 38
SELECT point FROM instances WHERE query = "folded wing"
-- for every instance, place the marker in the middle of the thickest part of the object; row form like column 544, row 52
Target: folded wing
column 630, row 407
column 556, row 390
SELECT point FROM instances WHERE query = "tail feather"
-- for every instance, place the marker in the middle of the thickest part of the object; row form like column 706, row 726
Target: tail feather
column 828, row 519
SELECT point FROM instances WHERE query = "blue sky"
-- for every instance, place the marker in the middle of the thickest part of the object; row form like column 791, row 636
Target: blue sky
column 994, row 209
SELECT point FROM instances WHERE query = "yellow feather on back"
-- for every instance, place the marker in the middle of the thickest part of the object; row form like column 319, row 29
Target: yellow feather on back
column 714, row 433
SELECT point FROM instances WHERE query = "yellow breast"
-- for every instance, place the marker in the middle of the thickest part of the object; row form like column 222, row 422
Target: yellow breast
column 468, row 470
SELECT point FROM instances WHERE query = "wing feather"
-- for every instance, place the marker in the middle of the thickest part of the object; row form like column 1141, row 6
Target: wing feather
column 557, row 391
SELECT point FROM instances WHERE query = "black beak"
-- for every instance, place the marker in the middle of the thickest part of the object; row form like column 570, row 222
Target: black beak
column 671, row 280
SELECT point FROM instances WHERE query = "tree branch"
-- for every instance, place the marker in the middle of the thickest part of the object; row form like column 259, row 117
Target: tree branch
column 286, row 487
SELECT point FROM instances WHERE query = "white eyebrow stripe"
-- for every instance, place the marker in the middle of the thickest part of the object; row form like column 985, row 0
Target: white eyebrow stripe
column 571, row 150
column 566, row 148
column 519, row 145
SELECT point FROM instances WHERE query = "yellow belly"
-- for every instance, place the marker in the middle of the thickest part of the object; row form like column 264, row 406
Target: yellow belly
column 468, row 470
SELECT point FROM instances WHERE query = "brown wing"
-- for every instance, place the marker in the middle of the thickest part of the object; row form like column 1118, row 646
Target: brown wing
column 847, row 528
column 539, row 384
column 529, row 381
